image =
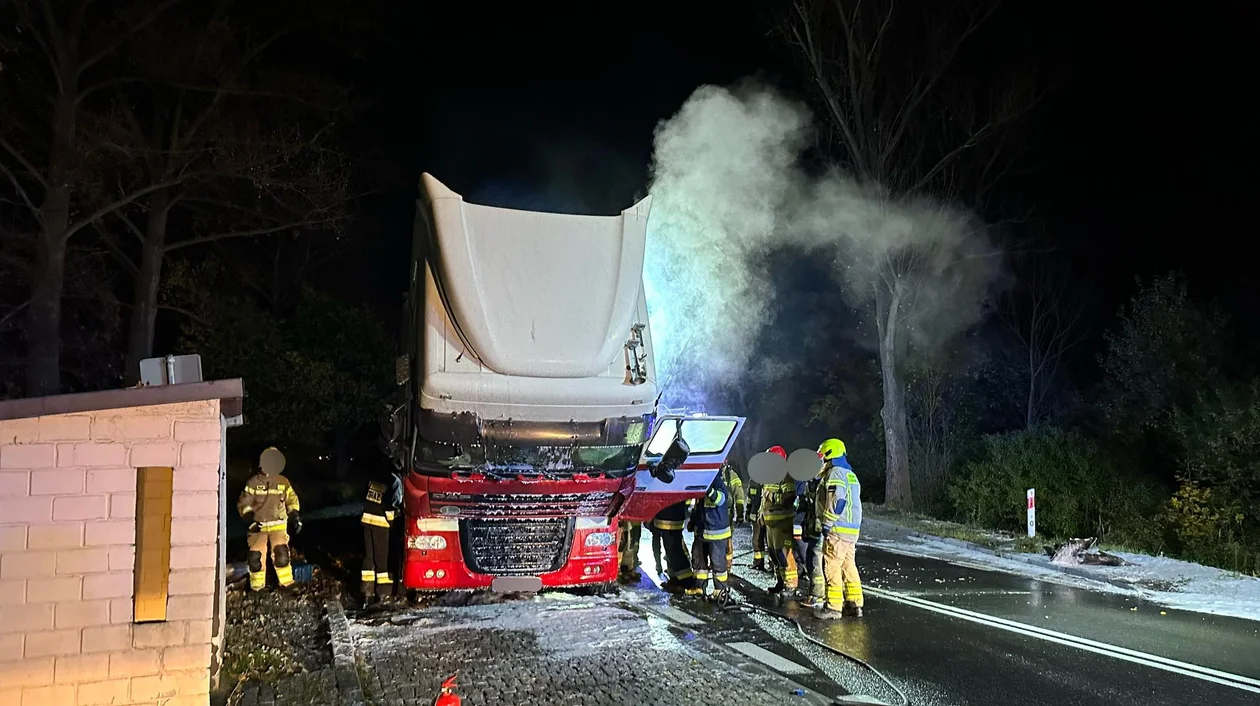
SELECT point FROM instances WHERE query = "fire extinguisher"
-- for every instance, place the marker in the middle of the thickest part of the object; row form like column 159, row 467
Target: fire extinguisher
column 447, row 696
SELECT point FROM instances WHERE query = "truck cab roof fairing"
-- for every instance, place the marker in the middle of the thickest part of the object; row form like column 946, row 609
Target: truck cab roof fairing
column 538, row 294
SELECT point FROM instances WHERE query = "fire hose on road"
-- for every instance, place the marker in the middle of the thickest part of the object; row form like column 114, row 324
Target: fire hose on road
column 746, row 607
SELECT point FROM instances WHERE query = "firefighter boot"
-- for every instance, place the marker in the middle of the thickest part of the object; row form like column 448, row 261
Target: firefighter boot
column 851, row 610
column 778, row 588
column 759, row 564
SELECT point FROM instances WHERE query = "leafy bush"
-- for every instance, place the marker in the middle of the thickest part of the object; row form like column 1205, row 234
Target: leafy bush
column 1079, row 493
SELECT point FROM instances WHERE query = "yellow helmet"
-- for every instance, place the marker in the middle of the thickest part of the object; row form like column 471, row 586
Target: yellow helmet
column 831, row 448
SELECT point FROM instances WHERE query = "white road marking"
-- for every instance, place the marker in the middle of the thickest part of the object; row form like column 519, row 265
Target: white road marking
column 676, row 615
column 769, row 658
column 1169, row 665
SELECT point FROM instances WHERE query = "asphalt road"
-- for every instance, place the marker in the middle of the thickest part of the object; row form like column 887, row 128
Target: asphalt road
column 940, row 658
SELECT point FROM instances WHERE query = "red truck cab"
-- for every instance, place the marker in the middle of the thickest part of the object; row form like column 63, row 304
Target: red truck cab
column 469, row 530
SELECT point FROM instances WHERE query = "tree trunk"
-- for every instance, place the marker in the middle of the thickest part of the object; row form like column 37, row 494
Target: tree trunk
column 144, row 304
column 1029, row 412
column 43, row 328
column 43, row 331
column 896, row 449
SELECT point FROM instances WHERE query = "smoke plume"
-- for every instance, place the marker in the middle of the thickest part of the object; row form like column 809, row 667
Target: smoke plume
column 728, row 187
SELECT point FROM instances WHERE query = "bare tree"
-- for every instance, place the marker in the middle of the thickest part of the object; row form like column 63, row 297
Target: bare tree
column 905, row 121
column 210, row 104
column 1043, row 312
column 54, row 53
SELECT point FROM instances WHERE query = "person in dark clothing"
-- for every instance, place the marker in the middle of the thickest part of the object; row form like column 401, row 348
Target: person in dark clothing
column 711, row 523
column 811, row 540
column 758, row 527
column 381, row 507
column 669, row 523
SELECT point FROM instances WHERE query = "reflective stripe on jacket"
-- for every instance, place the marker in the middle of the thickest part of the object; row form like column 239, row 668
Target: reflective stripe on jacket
column 673, row 517
column 840, row 507
column 269, row 499
column 712, row 515
column 382, row 502
column 807, row 508
column 778, row 501
column 754, row 498
column 735, row 484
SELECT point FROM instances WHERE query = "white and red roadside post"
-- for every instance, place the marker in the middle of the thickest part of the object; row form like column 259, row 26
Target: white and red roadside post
column 1032, row 512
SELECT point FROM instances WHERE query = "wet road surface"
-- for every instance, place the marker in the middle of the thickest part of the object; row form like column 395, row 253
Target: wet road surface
column 1227, row 644
column 939, row 658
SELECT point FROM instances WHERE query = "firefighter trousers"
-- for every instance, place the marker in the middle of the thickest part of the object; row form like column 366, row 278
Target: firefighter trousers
column 628, row 536
column 656, row 549
column 376, row 576
column 759, row 540
column 780, row 543
column 708, row 561
column 841, row 572
column 730, row 551
column 259, row 544
column 814, row 566
column 676, row 563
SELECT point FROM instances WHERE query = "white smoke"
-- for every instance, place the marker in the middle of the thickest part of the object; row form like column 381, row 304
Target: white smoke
column 721, row 174
column 728, row 187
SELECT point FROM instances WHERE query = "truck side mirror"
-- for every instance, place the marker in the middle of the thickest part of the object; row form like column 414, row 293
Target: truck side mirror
column 673, row 457
column 391, row 421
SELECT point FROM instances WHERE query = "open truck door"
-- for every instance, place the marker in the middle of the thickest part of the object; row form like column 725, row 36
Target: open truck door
column 707, row 439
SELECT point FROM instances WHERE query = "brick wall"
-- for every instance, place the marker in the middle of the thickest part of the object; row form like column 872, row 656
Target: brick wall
column 67, row 552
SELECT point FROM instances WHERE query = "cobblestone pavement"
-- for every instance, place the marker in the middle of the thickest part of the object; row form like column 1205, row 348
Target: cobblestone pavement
column 555, row 649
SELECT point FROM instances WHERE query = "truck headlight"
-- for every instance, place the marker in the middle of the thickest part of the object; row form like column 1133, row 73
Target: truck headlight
column 427, row 541
column 600, row 539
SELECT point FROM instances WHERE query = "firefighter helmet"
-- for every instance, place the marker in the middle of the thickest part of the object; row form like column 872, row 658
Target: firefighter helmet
column 831, row 448
column 778, row 450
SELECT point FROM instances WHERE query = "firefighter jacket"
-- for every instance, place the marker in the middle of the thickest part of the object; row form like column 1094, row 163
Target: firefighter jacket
column 754, row 499
column 673, row 517
column 383, row 501
column 711, row 517
column 269, row 499
column 735, row 484
column 807, row 508
column 840, row 506
column 778, row 501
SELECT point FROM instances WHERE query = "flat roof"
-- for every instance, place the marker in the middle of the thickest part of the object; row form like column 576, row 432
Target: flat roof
column 229, row 392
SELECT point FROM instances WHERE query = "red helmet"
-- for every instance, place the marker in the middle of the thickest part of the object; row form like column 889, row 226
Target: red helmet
column 778, row 450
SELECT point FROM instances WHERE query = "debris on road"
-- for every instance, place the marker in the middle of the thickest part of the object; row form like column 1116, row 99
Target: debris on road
column 1075, row 552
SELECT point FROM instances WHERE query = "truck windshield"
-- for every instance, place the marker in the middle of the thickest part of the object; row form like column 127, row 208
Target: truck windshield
column 560, row 461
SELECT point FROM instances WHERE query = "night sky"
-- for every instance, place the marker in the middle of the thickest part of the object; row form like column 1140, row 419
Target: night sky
column 1140, row 160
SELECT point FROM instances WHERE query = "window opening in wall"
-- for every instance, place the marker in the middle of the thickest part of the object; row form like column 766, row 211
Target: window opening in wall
column 153, row 542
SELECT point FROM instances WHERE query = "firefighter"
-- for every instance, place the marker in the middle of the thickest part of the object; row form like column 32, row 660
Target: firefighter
column 840, row 509
column 778, row 508
column 736, row 486
column 269, row 500
column 670, row 523
column 758, row 527
column 628, row 536
column 711, row 524
column 381, row 507
column 811, row 539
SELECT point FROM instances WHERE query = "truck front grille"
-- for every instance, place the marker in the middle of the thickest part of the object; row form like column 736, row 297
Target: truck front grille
column 514, row 505
column 513, row 547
